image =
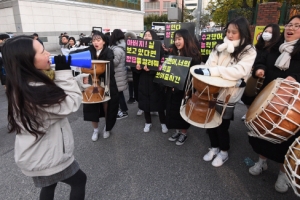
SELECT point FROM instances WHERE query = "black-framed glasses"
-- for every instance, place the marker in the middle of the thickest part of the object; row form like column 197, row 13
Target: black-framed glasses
column 292, row 26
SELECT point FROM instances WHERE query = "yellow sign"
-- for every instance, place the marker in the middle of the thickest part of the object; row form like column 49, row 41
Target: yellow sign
column 259, row 30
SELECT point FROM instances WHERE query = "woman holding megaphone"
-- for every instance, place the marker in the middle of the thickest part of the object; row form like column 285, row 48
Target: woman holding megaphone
column 38, row 106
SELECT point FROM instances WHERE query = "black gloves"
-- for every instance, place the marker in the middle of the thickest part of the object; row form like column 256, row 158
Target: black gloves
column 202, row 71
column 240, row 83
column 61, row 63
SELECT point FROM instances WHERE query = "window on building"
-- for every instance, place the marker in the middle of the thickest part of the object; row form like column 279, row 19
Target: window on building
column 167, row 4
column 151, row 5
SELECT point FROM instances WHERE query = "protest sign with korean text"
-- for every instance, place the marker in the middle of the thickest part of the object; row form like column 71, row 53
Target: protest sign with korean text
column 174, row 71
column 143, row 52
column 259, row 30
column 172, row 27
column 208, row 42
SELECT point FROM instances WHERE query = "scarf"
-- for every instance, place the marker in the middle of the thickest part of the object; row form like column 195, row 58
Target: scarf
column 228, row 45
column 283, row 61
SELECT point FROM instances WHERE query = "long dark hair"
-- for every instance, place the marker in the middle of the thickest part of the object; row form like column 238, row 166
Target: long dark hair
column 297, row 45
column 72, row 38
column 261, row 44
column 190, row 48
column 245, row 36
column 25, row 101
column 116, row 36
column 104, row 38
column 153, row 34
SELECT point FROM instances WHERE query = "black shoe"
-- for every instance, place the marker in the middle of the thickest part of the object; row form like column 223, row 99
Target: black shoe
column 181, row 139
column 175, row 136
column 131, row 101
column 122, row 115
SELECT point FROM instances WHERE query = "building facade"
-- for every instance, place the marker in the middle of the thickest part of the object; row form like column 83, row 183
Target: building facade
column 49, row 18
column 193, row 4
column 159, row 7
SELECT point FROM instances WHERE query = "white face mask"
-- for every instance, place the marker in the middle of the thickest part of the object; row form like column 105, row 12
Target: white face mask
column 267, row 36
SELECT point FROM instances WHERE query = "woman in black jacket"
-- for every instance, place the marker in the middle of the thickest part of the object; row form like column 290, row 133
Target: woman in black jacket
column 92, row 112
column 184, row 46
column 282, row 61
column 151, row 95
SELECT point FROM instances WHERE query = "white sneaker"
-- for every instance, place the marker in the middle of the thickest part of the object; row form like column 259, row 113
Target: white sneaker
column 220, row 159
column 95, row 136
column 211, row 154
column 139, row 112
column 258, row 168
column 147, row 127
column 282, row 183
column 164, row 128
column 106, row 134
column 244, row 117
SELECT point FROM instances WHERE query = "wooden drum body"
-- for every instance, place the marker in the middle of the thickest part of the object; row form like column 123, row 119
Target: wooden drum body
column 275, row 113
column 96, row 93
column 198, row 105
column 199, row 110
column 292, row 165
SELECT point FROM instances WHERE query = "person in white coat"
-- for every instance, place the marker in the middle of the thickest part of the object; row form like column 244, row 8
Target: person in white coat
column 233, row 61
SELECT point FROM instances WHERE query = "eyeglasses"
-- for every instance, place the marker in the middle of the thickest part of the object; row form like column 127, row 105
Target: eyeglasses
column 292, row 26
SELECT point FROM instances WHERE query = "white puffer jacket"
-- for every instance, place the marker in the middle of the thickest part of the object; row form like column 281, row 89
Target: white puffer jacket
column 224, row 66
column 119, row 63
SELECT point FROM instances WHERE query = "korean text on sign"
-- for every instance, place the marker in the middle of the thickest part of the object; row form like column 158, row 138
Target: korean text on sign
column 143, row 52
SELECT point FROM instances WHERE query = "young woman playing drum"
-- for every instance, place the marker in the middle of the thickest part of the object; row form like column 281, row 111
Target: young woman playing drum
column 151, row 95
column 282, row 61
column 231, row 60
column 266, row 41
column 184, row 45
column 91, row 112
column 37, row 111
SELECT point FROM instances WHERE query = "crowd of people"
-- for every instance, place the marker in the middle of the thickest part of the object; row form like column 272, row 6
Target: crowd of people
column 38, row 106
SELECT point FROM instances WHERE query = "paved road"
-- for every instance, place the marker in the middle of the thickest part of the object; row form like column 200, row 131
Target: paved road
column 136, row 165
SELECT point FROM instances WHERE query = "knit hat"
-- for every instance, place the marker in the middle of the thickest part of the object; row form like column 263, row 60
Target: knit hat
column 131, row 35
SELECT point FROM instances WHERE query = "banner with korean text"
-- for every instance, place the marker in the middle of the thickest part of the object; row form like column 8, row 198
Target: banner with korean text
column 143, row 52
column 172, row 27
column 208, row 41
column 174, row 71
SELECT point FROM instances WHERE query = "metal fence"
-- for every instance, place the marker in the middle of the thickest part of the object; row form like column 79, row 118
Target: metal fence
column 248, row 13
column 291, row 11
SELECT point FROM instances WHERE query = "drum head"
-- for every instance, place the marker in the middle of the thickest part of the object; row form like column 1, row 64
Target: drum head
column 211, row 80
column 100, row 61
column 215, row 122
column 262, row 100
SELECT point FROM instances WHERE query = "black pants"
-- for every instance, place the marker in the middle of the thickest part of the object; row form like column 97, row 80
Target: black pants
column 122, row 102
column 130, row 89
column 136, row 80
column 77, row 183
column 161, row 114
column 219, row 136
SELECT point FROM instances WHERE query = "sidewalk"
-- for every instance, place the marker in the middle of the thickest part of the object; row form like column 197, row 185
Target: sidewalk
column 133, row 165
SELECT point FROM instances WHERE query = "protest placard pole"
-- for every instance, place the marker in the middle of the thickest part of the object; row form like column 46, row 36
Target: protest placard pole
column 198, row 25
